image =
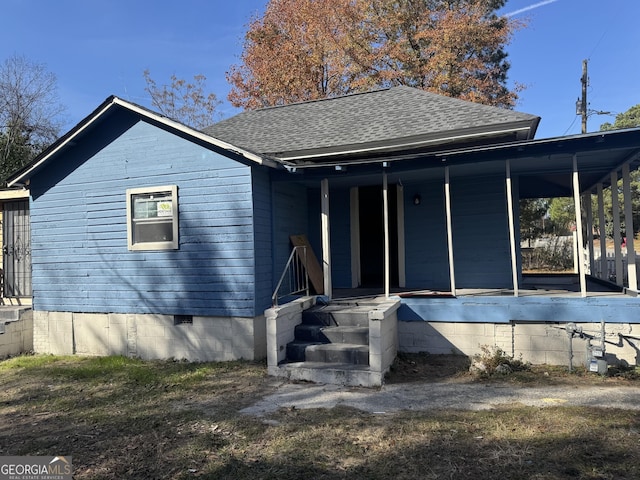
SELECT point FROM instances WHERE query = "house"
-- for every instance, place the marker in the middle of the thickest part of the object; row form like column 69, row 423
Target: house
column 149, row 238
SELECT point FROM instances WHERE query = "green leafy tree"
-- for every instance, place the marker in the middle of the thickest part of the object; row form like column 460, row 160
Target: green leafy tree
column 532, row 216
column 29, row 112
column 628, row 119
column 562, row 214
column 183, row 101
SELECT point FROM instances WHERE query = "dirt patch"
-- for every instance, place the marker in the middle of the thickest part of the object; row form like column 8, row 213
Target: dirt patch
column 423, row 367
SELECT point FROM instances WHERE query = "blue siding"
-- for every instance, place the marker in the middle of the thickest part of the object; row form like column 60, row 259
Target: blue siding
column 289, row 218
column 79, row 234
column 263, row 238
column 426, row 257
column 315, row 221
column 340, row 228
column 480, row 232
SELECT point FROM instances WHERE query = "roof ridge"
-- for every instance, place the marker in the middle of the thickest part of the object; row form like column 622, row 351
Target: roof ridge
column 324, row 99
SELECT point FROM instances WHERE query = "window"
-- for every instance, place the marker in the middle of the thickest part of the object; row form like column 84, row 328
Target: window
column 152, row 218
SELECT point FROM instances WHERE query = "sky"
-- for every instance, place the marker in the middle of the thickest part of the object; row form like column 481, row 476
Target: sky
column 98, row 48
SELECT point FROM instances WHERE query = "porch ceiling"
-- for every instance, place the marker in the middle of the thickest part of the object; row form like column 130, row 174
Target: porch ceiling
column 544, row 167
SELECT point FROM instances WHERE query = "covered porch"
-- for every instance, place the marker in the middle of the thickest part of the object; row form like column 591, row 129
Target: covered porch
column 580, row 167
column 449, row 247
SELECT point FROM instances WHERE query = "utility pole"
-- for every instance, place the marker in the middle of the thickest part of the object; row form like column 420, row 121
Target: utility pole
column 581, row 103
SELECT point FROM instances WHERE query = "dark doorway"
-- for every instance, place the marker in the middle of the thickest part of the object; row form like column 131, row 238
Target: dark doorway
column 371, row 219
column 16, row 249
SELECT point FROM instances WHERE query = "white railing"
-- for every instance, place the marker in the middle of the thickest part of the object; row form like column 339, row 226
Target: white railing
column 610, row 261
column 294, row 279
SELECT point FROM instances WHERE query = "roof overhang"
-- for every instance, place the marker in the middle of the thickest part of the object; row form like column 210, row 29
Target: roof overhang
column 22, row 176
column 544, row 166
column 493, row 134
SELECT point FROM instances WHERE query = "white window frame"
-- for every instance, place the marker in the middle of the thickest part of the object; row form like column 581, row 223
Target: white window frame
column 166, row 190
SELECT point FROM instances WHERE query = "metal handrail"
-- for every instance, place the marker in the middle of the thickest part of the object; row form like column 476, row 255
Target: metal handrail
column 295, row 274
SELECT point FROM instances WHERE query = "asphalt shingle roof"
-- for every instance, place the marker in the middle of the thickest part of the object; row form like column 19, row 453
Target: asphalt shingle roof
column 355, row 121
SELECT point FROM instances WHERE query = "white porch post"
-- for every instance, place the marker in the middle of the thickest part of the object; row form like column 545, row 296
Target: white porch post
column 512, row 234
column 401, row 253
column 603, row 234
column 578, row 210
column 615, row 207
column 447, row 199
column 589, row 209
column 628, row 222
column 355, row 238
column 326, row 247
column 385, row 216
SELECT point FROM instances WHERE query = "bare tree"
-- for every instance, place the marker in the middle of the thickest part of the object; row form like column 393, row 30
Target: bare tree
column 183, row 101
column 29, row 112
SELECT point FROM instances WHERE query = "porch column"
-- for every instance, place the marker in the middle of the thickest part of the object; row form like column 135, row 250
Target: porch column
column 578, row 210
column 603, row 234
column 589, row 209
column 402, row 274
column 385, row 217
column 447, row 201
column 615, row 207
column 326, row 246
column 512, row 234
column 628, row 222
column 356, row 278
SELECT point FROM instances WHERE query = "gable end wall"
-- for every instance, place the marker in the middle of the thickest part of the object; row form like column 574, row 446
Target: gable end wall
column 79, row 235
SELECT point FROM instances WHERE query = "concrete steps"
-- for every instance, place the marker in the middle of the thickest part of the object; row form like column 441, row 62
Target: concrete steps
column 338, row 353
column 337, row 315
column 331, row 373
column 322, row 334
column 350, row 342
column 335, row 334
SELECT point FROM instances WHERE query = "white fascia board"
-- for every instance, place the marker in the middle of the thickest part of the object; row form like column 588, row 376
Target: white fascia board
column 416, row 143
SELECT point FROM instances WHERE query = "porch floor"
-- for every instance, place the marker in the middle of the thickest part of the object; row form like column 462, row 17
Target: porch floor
column 535, row 285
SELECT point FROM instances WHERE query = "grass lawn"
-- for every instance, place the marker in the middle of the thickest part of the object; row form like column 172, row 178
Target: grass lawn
column 123, row 418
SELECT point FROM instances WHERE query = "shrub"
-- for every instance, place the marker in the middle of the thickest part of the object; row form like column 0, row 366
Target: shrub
column 494, row 360
column 556, row 255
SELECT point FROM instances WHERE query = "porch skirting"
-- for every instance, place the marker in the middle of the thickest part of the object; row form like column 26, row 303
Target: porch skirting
column 149, row 336
column 535, row 342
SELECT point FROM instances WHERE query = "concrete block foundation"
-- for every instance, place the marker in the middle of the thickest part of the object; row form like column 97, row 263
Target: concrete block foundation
column 150, row 337
column 535, row 342
column 16, row 332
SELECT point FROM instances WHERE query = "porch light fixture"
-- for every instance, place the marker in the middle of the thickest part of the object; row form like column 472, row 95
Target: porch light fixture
column 417, row 199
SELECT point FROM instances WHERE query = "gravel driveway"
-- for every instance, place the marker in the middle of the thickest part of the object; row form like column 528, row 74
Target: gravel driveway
column 424, row 396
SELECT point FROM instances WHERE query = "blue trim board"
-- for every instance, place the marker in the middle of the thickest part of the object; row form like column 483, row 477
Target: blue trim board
column 618, row 309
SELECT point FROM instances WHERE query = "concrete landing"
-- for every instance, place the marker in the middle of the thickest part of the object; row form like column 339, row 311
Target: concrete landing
column 330, row 373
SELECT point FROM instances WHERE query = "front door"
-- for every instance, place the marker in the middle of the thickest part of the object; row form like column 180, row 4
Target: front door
column 16, row 249
column 371, row 221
